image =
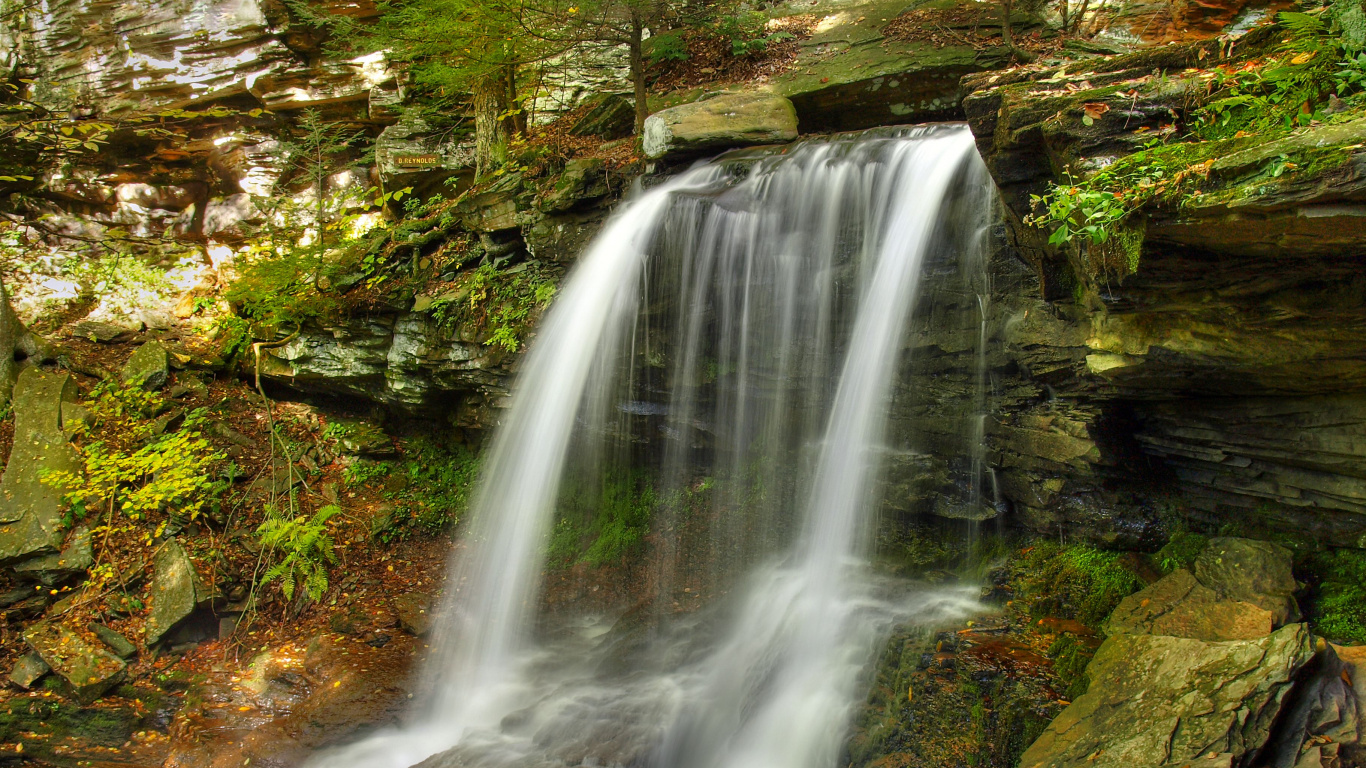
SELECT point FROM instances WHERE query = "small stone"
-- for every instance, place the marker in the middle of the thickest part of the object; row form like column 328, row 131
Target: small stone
column 120, row 645
column 414, row 612
column 28, row 669
column 149, row 367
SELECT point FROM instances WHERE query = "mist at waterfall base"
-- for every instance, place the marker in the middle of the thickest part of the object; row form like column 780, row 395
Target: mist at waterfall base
column 728, row 345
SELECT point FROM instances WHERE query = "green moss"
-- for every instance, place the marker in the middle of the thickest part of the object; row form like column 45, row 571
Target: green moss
column 1075, row 581
column 1180, row 551
column 1070, row 655
column 602, row 525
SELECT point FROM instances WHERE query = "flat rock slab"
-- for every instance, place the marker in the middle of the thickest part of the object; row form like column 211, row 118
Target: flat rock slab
column 30, row 509
column 176, row 592
column 75, row 558
column 28, row 670
column 149, row 367
column 86, row 666
column 730, row 120
column 1180, row 606
column 1171, row 701
column 1241, row 589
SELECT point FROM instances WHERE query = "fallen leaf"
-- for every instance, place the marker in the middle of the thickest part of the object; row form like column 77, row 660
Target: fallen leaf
column 1095, row 109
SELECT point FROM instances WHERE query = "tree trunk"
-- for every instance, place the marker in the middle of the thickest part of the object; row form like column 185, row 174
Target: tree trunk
column 637, row 45
column 1008, row 36
column 517, row 118
column 491, row 133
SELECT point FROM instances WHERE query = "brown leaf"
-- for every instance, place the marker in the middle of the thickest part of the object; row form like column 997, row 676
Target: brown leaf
column 1095, row 109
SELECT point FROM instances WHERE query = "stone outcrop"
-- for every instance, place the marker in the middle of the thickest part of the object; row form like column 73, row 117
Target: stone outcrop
column 1169, row 701
column 148, row 368
column 850, row 74
column 726, row 121
column 31, row 509
column 1240, row 590
column 1224, row 376
column 86, row 666
column 177, row 591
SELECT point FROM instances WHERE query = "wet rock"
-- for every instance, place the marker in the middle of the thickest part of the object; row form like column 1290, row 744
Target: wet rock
column 30, row 509
column 414, row 612
column 86, row 667
column 295, row 702
column 28, row 670
column 120, row 645
column 149, row 367
column 176, row 592
column 611, row 117
column 731, row 120
column 1156, row 700
column 75, row 558
column 1324, row 725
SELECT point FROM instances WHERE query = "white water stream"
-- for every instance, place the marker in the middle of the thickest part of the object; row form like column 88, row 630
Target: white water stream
column 749, row 316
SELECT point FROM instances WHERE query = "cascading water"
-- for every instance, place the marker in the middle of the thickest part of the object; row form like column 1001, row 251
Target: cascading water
column 738, row 331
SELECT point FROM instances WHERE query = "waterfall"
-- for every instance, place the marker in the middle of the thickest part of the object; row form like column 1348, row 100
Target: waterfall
column 737, row 330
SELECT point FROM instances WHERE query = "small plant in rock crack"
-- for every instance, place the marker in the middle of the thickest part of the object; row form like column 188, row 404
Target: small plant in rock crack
column 307, row 548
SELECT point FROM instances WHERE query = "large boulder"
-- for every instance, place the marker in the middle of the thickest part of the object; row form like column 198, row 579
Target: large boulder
column 85, row 665
column 1256, row 572
column 31, row 509
column 731, row 120
column 149, row 367
column 177, row 590
column 1172, row 701
column 1241, row 590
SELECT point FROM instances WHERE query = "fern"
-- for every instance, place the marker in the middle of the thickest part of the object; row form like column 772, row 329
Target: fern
column 307, row 548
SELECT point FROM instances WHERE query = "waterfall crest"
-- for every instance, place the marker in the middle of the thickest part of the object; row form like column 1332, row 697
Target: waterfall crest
column 737, row 330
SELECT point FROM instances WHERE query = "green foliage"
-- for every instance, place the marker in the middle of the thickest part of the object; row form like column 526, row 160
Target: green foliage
column 1180, row 551
column 365, row 472
column 667, row 46
column 305, row 547
column 1073, row 581
column 502, row 303
column 1338, row 609
column 601, row 528
column 141, row 470
column 441, row 477
column 747, row 32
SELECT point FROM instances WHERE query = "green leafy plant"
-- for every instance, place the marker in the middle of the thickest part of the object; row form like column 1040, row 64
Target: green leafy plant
column 141, row 469
column 1180, row 551
column 747, row 32
column 503, row 303
column 440, row 478
column 306, row 550
column 667, row 46
column 1338, row 607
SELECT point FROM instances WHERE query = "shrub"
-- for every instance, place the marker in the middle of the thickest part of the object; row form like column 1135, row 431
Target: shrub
column 138, row 468
column 1338, row 609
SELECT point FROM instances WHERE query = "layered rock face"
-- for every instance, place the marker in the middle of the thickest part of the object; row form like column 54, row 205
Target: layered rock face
column 1226, row 372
